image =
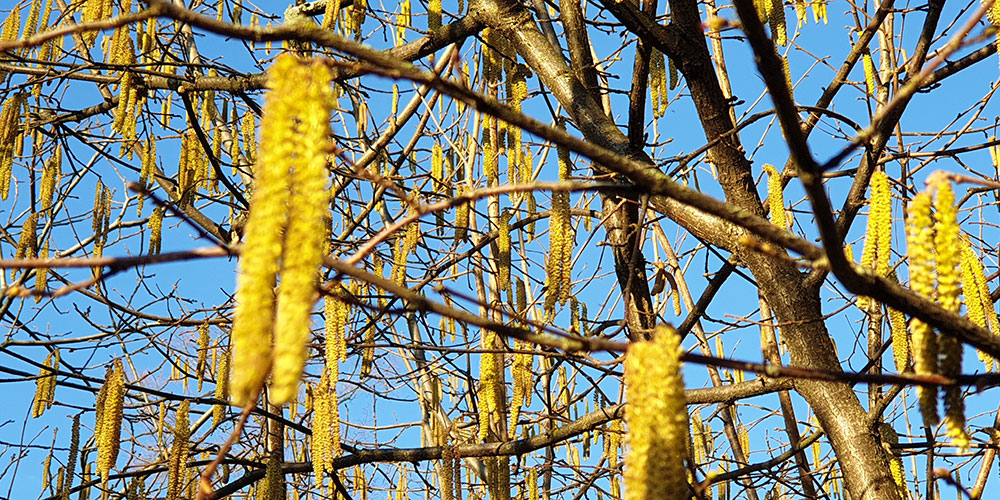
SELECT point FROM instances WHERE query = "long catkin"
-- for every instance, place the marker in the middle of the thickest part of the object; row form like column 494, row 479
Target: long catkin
column 279, row 238
column 948, row 251
column 656, row 415
column 303, row 234
column 920, row 249
column 179, row 451
column 110, row 422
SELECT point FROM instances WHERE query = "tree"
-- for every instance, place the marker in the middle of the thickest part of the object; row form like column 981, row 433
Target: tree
column 474, row 323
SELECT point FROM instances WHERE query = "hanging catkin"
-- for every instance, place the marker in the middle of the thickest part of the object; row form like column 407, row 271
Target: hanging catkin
column 776, row 20
column 920, row 250
column 179, row 451
column 221, row 388
column 291, row 173
column 433, row 15
column 45, row 384
column 657, row 419
column 326, row 427
column 993, row 16
column 110, row 420
column 775, row 196
column 869, row 65
column 900, row 336
column 948, row 249
column 977, row 296
column 878, row 231
column 503, row 251
column 10, row 134
column 200, row 366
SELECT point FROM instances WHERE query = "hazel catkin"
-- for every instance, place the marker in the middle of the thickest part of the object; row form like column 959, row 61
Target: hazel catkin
column 303, row 234
column 110, row 422
column 291, row 172
column 179, row 451
column 775, row 196
column 920, row 250
column 657, row 419
column 948, row 253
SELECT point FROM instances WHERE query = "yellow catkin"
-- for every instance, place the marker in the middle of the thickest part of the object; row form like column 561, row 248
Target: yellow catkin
column 974, row 302
column 303, row 235
column 977, row 296
column 42, row 274
column 948, row 248
column 221, row 388
column 878, row 232
column 402, row 22
column 74, row 449
column 523, row 378
column 447, row 472
column 775, row 196
column 920, row 250
column 657, row 74
column 136, row 489
column 291, row 173
column 359, row 13
column 764, row 8
column 433, row 15
column 11, row 26
column 31, row 23
column 560, row 264
column 869, row 66
column 900, row 340
column 273, row 486
column 503, row 251
column 85, row 479
column 490, row 383
column 462, row 214
column 203, row 339
column 326, row 428
column 147, row 169
column 779, row 30
column 110, row 422
column 404, row 246
column 155, row 231
column 179, row 451
column 45, row 385
column 360, row 483
column 657, row 419
column 984, row 291
column 697, row 439
column 248, row 127
column 993, row 16
column 437, row 168
column 51, row 173
column 47, row 471
column 744, row 436
column 50, row 385
column 27, row 242
column 10, row 125
column 889, row 439
column 490, row 155
column 882, row 199
column 819, row 11
column 186, row 166
column 517, row 90
column 368, row 351
column 337, row 312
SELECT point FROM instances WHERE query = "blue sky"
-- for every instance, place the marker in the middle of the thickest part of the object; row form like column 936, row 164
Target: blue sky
column 196, row 287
